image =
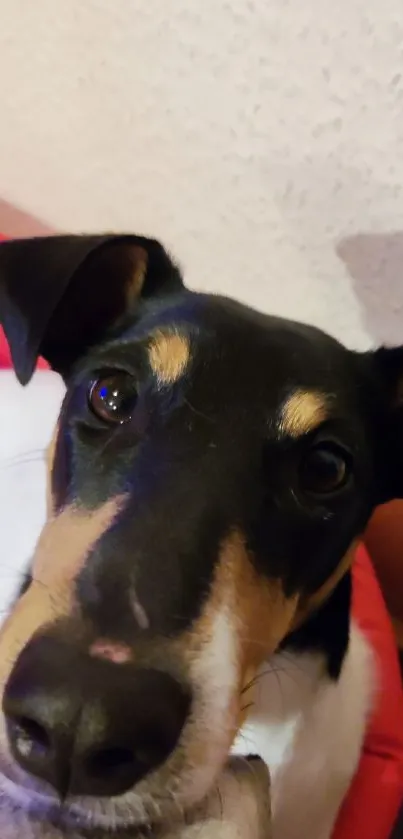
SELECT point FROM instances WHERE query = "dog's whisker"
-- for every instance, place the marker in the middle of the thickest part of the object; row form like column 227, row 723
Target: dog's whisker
column 292, row 663
column 5, row 467
column 245, row 708
column 246, row 736
column 23, row 460
column 22, row 455
column 197, row 411
column 268, row 672
column 261, row 675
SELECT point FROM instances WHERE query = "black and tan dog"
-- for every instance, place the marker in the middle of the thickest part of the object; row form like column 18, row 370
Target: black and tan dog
column 211, row 471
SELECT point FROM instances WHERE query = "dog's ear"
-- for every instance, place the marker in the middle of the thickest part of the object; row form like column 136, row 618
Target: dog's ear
column 384, row 411
column 59, row 295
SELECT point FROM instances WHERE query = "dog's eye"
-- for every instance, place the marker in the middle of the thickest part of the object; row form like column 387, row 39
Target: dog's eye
column 326, row 468
column 113, row 398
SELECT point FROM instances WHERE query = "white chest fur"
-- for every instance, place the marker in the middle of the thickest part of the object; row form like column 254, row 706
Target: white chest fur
column 310, row 731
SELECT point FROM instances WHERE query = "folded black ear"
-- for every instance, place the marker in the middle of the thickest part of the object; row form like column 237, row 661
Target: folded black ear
column 384, row 409
column 59, row 295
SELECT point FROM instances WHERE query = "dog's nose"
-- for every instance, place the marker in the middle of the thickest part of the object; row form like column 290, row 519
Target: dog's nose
column 90, row 727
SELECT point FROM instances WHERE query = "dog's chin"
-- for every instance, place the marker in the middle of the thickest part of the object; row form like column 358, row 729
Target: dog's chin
column 24, row 799
column 31, row 803
column 40, row 806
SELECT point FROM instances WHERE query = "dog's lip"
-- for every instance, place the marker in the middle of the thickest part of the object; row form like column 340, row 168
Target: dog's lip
column 26, row 796
column 40, row 806
column 52, row 811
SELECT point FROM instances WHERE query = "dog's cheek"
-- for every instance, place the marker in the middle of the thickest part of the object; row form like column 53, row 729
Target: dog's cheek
column 244, row 619
column 50, row 459
column 261, row 612
column 33, row 610
column 265, row 618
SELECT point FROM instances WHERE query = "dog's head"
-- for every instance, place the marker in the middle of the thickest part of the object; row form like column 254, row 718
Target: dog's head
column 210, row 473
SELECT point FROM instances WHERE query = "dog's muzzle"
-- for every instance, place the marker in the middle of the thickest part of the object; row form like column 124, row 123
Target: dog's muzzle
column 88, row 726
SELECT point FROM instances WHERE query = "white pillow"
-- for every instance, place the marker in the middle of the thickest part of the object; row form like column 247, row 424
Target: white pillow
column 27, row 419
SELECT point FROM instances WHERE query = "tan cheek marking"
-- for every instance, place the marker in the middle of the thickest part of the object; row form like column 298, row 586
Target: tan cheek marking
column 316, row 600
column 60, row 555
column 303, row 412
column 50, row 457
column 263, row 612
column 262, row 615
column 168, row 355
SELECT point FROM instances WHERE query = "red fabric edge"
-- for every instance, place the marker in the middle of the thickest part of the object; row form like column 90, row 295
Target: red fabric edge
column 372, row 804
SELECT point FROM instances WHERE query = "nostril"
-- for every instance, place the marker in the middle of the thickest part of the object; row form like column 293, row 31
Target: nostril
column 30, row 739
column 103, row 763
column 122, row 764
column 139, row 715
column 152, row 750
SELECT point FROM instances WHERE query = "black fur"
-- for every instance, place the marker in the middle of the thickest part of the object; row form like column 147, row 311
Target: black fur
column 202, row 457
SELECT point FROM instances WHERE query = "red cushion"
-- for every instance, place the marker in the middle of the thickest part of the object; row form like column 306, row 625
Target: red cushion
column 373, row 802
column 5, row 358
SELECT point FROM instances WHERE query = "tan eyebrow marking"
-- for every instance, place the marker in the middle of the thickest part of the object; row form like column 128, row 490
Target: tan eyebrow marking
column 168, row 353
column 302, row 412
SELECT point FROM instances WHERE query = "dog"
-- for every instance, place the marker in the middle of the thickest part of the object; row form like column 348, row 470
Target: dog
column 211, row 473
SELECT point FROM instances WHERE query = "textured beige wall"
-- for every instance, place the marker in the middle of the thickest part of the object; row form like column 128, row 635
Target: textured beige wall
column 263, row 141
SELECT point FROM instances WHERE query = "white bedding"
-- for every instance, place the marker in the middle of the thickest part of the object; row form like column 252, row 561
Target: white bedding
column 27, row 419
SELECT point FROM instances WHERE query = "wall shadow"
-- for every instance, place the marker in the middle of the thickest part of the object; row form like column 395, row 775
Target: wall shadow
column 375, row 263
column 17, row 223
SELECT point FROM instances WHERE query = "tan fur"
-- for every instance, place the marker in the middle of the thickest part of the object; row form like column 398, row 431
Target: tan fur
column 139, row 259
column 316, row 600
column 61, row 552
column 261, row 610
column 50, row 456
column 303, row 412
column 261, row 613
column 169, row 353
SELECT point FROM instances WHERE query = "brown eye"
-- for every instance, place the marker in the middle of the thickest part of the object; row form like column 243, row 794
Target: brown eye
column 113, row 398
column 325, row 469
